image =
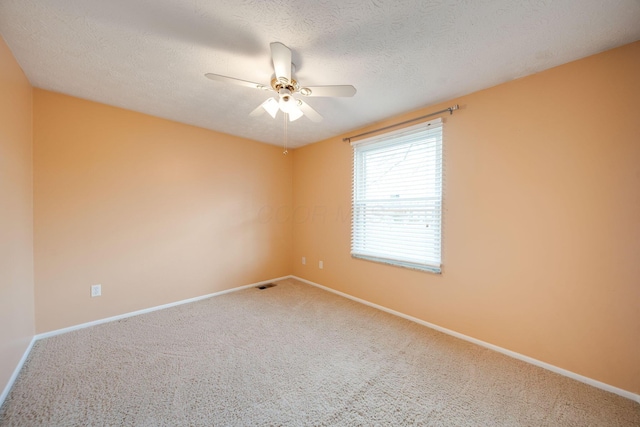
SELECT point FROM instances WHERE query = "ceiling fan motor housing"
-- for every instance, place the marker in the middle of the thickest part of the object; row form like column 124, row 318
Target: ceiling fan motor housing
column 277, row 85
column 285, row 94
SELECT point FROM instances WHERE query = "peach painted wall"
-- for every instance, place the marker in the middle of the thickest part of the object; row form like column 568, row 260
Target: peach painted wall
column 154, row 210
column 541, row 220
column 16, row 215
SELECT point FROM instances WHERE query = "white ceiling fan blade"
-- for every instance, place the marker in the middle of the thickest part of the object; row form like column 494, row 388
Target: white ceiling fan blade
column 257, row 112
column 231, row 80
column 338, row 90
column 270, row 106
column 281, row 57
column 312, row 114
column 295, row 114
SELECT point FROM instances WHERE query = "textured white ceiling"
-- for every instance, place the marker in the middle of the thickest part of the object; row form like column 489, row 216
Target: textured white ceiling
column 151, row 55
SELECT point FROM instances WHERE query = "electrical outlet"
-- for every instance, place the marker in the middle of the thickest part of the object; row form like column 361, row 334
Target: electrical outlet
column 304, row 260
column 320, row 265
column 96, row 290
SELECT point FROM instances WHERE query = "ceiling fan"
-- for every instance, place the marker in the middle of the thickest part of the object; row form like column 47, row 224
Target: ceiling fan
column 285, row 85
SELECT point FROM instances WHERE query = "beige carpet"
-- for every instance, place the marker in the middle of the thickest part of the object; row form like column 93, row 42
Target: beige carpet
column 291, row 355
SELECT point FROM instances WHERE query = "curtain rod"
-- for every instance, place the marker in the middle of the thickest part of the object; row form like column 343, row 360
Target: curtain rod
column 450, row 110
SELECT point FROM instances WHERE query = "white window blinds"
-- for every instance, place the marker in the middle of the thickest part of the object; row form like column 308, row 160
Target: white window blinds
column 397, row 197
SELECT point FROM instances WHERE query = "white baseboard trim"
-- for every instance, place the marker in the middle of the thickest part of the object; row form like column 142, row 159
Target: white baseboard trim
column 544, row 365
column 149, row 310
column 16, row 371
column 522, row 357
column 37, row 337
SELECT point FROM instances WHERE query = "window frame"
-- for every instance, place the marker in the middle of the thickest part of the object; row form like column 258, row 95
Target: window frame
column 408, row 250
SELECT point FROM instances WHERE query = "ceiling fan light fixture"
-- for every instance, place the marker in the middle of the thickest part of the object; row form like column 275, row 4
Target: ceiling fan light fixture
column 287, row 102
column 295, row 114
column 271, row 106
column 305, row 91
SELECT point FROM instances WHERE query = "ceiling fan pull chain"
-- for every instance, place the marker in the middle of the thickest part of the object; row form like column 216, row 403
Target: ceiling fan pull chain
column 284, row 143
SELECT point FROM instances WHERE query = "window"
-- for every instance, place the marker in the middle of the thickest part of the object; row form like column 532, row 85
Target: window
column 397, row 197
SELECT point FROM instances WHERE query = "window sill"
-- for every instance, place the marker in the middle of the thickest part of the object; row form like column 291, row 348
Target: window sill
column 411, row 266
